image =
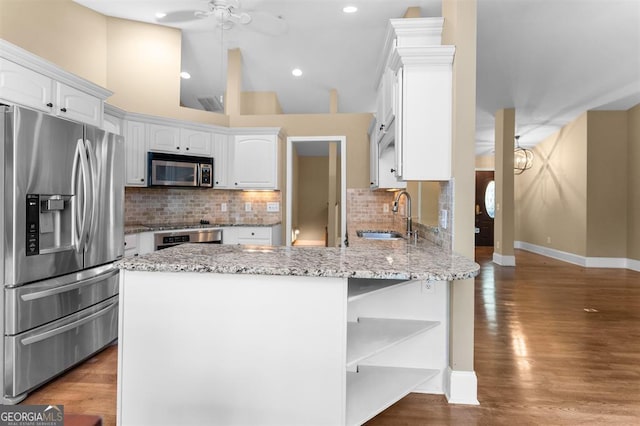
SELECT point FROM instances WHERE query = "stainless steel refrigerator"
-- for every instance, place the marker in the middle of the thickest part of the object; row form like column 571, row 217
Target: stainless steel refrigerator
column 62, row 189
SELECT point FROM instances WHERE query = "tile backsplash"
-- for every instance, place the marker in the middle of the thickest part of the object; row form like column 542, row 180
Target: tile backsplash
column 177, row 205
column 366, row 206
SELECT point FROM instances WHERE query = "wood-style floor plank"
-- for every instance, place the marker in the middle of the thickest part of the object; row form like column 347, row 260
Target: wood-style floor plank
column 540, row 357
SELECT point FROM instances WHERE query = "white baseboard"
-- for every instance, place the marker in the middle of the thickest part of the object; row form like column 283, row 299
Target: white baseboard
column 461, row 387
column 503, row 260
column 587, row 262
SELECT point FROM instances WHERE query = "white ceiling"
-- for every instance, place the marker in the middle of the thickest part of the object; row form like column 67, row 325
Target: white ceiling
column 549, row 59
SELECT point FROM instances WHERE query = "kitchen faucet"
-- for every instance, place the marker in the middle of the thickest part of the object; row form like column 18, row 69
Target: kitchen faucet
column 394, row 209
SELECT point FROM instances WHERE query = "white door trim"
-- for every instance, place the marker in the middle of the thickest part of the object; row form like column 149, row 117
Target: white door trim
column 343, row 180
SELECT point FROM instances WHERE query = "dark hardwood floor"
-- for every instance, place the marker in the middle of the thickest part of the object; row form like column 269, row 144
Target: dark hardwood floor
column 555, row 344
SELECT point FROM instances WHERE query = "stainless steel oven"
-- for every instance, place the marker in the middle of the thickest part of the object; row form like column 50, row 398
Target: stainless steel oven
column 180, row 170
column 166, row 239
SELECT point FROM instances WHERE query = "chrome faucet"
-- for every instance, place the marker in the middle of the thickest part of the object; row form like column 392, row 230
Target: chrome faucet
column 394, row 209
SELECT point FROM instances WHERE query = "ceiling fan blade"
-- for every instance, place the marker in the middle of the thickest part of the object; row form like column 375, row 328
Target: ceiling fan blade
column 180, row 16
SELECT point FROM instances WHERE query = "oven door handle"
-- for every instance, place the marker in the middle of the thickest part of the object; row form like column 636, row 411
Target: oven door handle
column 51, row 333
column 69, row 287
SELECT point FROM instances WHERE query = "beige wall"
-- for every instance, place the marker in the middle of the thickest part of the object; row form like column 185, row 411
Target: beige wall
column 607, row 184
column 258, row 103
column 60, row 31
column 504, row 218
column 581, row 195
column 313, row 184
column 551, row 197
column 633, row 184
column 460, row 30
column 485, row 162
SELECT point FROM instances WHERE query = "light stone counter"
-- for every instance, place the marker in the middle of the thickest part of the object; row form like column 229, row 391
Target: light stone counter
column 371, row 259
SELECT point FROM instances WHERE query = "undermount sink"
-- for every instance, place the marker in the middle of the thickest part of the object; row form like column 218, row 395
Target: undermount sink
column 384, row 235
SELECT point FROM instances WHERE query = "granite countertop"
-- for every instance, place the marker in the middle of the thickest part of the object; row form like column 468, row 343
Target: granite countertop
column 136, row 228
column 397, row 259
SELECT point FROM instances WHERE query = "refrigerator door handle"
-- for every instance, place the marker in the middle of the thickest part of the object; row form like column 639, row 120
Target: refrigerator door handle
column 62, row 289
column 48, row 334
column 93, row 198
column 80, row 202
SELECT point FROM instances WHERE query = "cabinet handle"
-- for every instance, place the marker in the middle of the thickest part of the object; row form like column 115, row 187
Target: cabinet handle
column 177, row 147
column 253, row 233
column 63, row 109
column 187, row 148
column 217, row 182
column 50, row 105
column 381, row 126
column 393, row 170
column 236, row 183
column 141, row 179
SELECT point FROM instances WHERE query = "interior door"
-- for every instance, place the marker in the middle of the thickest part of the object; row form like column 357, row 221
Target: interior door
column 485, row 207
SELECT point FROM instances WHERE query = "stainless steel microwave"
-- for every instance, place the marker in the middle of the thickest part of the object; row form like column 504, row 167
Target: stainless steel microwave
column 179, row 170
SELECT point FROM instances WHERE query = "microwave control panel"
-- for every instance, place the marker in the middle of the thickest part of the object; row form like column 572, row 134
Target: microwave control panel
column 205, row 175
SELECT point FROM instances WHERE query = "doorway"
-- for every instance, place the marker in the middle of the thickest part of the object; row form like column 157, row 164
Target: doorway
column 485, row 207
column 316, row 191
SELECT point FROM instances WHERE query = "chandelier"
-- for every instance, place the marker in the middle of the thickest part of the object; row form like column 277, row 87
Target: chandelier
column 522, row 158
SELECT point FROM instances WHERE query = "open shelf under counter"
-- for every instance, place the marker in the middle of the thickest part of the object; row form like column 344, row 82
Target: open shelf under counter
column 362, row 287
column 370, row 336
column 373, row 389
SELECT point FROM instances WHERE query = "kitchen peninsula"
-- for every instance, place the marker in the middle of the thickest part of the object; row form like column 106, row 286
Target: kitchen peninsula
column 240, row 334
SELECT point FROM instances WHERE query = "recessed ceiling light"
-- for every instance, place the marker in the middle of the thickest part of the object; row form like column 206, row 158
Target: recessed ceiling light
column 350, row 9
column 185, row 75
column 297, row 72
column 160, row 15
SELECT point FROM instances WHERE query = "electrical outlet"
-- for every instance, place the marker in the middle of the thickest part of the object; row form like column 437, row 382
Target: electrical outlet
column 428, row 287
column 273, row 206
column 385, row 208
column 247, row 206
column 223, row 207
column 548, row 240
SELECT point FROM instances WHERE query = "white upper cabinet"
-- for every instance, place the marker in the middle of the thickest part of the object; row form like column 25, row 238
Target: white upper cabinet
column 195, row 142
column 421, row 70
column 220, row 154
column 30, row 81
column 179, row 140
column 254, row 160
column 135, row 146
column 164, row 138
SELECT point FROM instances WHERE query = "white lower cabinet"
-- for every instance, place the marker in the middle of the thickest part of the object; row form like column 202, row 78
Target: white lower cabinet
column 131, row 245
column 252, row 235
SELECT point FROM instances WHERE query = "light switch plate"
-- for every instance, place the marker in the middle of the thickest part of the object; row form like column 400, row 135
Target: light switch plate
column 444, row 216
column 273, row 206
column 247, row 206
column 223, row 207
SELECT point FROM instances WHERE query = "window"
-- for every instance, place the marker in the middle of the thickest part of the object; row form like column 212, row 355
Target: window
column 490, row 199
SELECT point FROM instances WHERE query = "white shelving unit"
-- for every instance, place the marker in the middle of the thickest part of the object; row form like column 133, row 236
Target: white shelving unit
column 383, row 315
column 373, row 389
column 370, row 336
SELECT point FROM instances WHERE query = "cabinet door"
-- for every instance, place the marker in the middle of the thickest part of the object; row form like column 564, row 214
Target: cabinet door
column 112, row 124
column 25, row 87
column 135, row 154
column 164, row 138
column 255, row 162
column 373, row 159
column 220, row 152
column 76, row 105
column 195, row 142
column 254, row 235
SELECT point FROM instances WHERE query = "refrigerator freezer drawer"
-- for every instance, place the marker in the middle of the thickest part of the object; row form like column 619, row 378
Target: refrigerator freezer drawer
column 43, row 353
column 35, row 304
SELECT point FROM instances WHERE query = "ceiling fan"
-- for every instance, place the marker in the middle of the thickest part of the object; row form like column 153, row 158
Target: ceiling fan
column 227, row 14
